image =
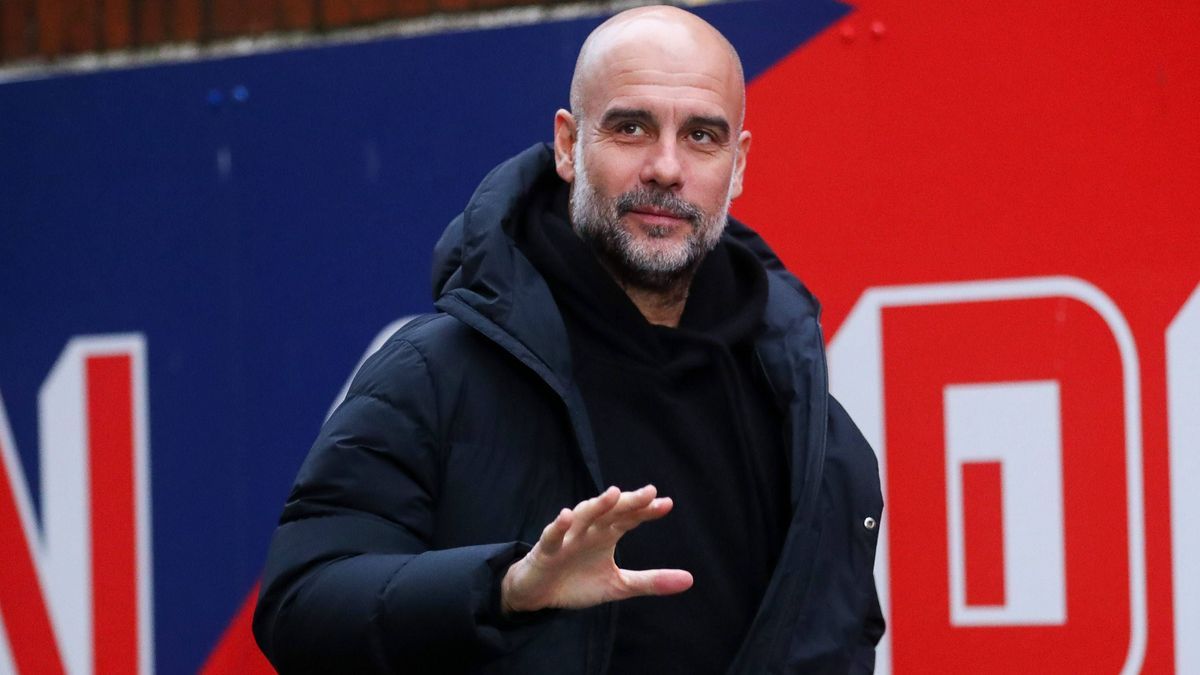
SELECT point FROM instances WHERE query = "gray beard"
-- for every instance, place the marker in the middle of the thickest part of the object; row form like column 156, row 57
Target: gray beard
column 596, row 221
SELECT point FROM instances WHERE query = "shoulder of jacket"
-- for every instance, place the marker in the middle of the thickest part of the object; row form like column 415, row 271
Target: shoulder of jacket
column 439, row 343
column 417, row 349
column 429, row 332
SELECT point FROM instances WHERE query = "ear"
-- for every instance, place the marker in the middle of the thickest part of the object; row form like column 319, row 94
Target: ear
column 565, row 137
column 739, row 165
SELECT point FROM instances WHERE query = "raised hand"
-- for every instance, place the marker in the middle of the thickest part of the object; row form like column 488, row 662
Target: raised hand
column 572, row 565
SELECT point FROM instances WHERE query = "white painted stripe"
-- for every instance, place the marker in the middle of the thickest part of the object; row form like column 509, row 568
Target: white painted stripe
column 1183, row 410
column 67, row 565
column 8, row 666
column 142, row 504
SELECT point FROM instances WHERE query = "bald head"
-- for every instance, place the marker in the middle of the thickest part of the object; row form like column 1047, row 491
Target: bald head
column 673, row 40
column 653, row 149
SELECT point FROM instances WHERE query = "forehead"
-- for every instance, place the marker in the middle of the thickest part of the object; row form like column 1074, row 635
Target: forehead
column 654, row 64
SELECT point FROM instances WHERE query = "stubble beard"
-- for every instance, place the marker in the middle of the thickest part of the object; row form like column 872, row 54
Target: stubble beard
column 661, row 269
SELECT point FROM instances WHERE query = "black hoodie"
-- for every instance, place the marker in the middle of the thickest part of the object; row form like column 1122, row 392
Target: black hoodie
column 686, row 409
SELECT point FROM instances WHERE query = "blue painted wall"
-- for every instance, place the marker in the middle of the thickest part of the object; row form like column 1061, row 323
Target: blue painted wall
column 259, row 219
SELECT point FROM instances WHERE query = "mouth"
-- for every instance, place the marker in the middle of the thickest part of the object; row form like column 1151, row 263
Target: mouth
column 659, row 217
column 658, row 213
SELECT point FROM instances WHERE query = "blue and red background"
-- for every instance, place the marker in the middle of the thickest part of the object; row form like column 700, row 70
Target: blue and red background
column 259, row 219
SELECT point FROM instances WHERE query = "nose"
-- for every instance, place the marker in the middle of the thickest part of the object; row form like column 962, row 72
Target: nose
column 662, row 165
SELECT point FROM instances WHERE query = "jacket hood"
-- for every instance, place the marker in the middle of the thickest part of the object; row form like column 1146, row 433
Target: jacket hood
column 480, row 277
column 459, row 258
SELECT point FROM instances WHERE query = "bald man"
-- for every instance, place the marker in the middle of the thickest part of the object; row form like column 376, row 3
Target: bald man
column 602, row 322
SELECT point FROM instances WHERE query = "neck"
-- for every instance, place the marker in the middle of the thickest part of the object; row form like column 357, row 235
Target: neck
column 659, row 309
column 659, row 306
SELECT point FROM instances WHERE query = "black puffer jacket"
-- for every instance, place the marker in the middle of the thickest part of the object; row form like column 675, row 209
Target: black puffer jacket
column 464, row 435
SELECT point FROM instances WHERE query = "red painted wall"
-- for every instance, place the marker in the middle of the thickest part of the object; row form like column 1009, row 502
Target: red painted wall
column 933, row 142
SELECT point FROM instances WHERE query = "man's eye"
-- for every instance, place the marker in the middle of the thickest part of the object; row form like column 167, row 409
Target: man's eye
column 631, row 129
column 702, row 136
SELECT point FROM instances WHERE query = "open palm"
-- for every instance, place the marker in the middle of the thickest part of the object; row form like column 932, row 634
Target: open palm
column 572, row 565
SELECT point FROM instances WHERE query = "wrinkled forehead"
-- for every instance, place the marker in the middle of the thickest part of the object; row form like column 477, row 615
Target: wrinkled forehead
column 655, row 59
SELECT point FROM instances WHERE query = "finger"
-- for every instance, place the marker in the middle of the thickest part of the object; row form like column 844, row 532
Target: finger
column 653, row 582
column 590, row 509
column 629, row 502
column 656, row 509
column 552, row 536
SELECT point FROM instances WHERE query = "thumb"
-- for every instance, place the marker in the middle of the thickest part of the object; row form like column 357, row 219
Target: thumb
column 654, row 582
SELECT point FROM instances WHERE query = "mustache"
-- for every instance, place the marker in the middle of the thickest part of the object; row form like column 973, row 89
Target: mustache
column 659, row 199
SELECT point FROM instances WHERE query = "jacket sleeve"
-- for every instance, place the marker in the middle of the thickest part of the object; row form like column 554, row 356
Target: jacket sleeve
column 351, row 584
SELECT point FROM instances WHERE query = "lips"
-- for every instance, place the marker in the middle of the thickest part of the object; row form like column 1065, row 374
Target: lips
column 660, row 218
column 658, row 208
column 654, row 211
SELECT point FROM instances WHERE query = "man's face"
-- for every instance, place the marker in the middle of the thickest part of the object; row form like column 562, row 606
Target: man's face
column 649, row 235
column 658, row 153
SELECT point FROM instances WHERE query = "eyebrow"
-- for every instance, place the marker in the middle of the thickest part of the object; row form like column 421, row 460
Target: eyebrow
column 718, row 123
column 627, row 115
column 645, row 117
